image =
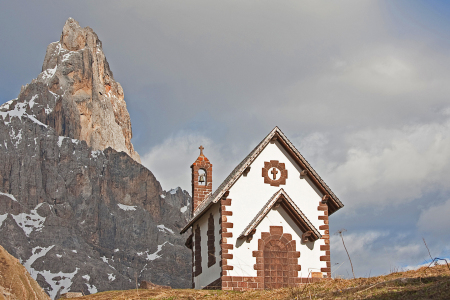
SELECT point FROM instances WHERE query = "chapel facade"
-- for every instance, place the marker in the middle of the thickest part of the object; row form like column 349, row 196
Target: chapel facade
column 266, row 226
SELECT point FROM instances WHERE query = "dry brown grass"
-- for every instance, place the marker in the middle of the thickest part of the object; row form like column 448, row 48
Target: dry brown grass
column 424, row 283
column 16, row 282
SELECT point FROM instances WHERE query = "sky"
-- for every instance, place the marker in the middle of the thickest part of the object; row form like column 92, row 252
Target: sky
column 360, row 87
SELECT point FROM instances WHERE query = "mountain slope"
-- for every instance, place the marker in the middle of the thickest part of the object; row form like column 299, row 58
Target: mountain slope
column 76, row 206
column 16, row 282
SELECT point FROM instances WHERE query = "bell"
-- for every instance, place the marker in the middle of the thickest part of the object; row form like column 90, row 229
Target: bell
column 202, row 178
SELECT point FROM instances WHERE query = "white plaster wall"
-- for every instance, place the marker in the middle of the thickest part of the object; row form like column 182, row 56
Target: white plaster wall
column 212, row 273
column 249, row 194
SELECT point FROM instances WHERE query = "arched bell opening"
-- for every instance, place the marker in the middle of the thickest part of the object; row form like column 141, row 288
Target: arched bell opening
column 202, row 178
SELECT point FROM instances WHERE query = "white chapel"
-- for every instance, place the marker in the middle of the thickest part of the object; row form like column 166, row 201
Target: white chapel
column 266, row 226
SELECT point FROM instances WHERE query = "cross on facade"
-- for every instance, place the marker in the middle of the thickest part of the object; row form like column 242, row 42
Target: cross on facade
column 274, row 172
column 201, row 150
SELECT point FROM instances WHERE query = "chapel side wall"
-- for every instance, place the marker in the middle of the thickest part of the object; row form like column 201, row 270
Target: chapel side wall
column 249, row 194
column 212, row 273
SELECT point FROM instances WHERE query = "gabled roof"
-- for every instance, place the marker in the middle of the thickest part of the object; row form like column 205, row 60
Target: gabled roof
column 333, row 205
column 282, row 198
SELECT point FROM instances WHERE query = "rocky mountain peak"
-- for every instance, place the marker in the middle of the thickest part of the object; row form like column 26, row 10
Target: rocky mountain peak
column 77, row 95
column 74, row 37
column 76, row 207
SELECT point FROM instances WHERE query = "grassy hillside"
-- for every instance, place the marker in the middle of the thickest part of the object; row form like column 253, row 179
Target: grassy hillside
column 424, row 283
column 16, row 282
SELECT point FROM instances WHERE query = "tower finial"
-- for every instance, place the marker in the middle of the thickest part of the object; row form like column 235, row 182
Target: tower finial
column 201, row 150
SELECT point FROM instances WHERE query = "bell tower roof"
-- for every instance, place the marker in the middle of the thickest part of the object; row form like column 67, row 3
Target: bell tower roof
column 201, row 157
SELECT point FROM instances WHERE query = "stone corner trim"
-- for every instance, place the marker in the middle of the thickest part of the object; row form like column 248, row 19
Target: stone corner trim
column 326, row 237
column 225, row 234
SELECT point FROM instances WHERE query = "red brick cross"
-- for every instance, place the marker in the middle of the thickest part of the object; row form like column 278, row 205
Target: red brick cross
column 201, row 150
column 274, row 172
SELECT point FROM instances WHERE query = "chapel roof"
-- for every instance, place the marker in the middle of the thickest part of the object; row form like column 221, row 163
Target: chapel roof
column 276, row 133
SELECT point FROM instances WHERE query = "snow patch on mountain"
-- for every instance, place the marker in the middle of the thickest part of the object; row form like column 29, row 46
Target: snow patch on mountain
column 164, row 228
column 154, row 255
column 30, row 222
column 3, row 218
column 174, row 191
column 126, row 207
column 9, row 195
column 59, row 282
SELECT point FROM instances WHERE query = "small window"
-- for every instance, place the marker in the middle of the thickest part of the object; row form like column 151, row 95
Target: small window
column 211, row 240
column 197, row 252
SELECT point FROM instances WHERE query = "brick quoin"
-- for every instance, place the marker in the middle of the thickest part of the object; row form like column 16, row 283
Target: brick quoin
column 227, row 282
column 325, row 249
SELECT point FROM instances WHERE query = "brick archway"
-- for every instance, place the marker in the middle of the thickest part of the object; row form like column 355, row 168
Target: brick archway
column 277, row 259
column 276, row 268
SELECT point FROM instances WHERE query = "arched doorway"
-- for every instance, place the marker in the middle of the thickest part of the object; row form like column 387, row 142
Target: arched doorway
column 276, row 265
column 277, row 259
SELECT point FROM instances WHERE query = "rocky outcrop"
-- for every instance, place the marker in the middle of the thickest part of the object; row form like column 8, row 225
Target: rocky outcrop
column 77, row 94
column 15, row 281
column 76, row 206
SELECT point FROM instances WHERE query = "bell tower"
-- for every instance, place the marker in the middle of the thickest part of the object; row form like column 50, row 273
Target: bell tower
column 201, row 179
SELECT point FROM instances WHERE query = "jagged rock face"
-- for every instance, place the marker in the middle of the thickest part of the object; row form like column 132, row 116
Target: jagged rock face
column 80, row 217
column 87, row 103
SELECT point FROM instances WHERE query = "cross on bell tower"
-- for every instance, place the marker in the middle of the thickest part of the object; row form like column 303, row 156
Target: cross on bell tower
column 201, row 179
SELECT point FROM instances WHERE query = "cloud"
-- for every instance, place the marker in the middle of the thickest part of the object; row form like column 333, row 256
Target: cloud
column 375, row 252
column 170, row 161
column 435, row 220
column 393, row 166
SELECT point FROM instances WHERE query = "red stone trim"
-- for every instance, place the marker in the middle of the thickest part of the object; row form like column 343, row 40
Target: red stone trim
column 326, row 236
column 240, row 283
column 211, row 241
column 274, row 164
column 224, row 235
column 197, row 252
